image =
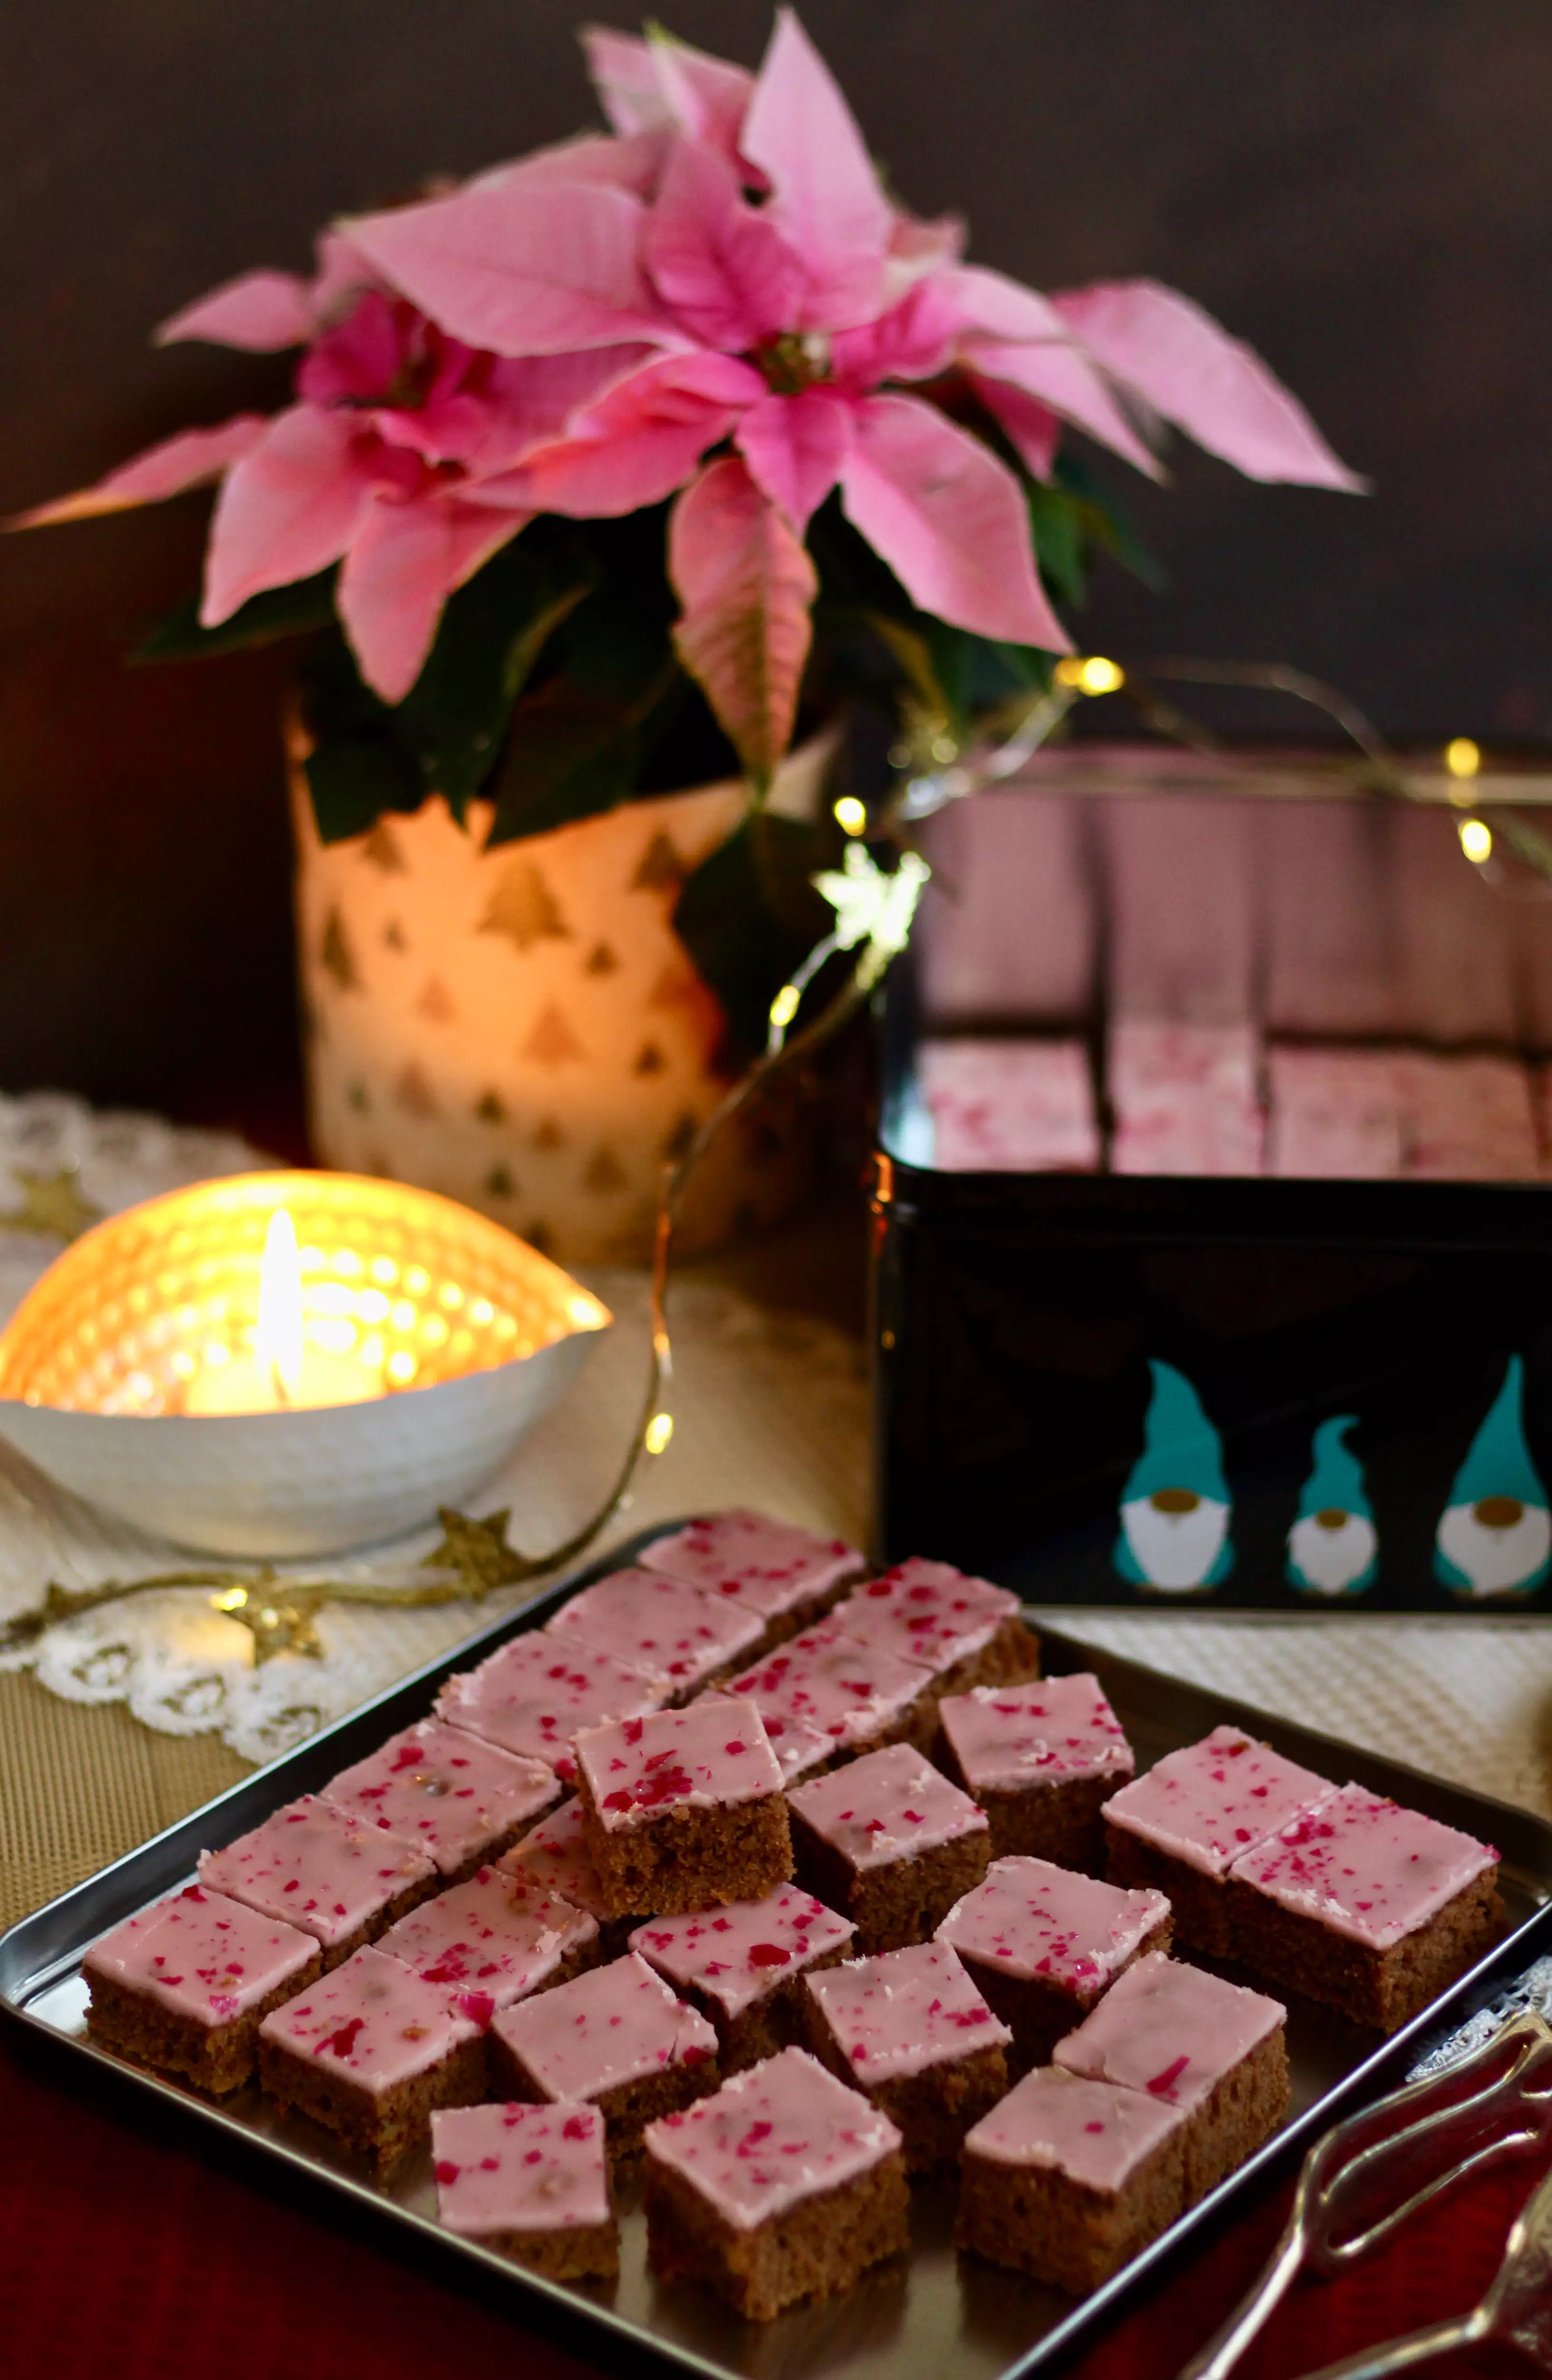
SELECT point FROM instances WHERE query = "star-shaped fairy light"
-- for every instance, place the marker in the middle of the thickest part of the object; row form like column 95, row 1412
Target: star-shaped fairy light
column 869, row 905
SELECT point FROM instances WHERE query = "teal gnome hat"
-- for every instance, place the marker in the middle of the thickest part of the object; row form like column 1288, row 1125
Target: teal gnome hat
column 1498, row 1460
column 1336, row 1481
column 1181, row 1447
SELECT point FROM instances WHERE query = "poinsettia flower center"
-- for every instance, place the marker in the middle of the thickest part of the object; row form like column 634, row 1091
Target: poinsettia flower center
column 793, row 361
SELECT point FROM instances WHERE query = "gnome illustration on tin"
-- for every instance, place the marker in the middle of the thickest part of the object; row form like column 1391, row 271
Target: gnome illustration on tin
column 1495, row 1534
column 1333, row 1544
column 1175, row 1507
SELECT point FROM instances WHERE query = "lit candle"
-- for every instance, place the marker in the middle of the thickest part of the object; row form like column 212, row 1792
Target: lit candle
column 280, row 1373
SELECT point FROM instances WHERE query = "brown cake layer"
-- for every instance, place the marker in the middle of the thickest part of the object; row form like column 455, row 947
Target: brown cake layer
column 1043, row 2222
column 627, row 2109
column 1243, row 2107
column 773, row 2023
column 898, row 1902
column 1382, row 1988
column 934, row 2109
column 385, row 2129
column 589, row 2251
column 1011, row 1656
column 219, row 2058
column 1199, row 1902
column 1062, row 1821
column 1038, row 2012
column 814, row 2250
column 685, row 1857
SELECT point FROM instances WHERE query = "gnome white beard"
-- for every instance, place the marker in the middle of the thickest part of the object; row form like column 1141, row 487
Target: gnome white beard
column 1495, row 1560
column 1331, row 1559
column 1175, row 1550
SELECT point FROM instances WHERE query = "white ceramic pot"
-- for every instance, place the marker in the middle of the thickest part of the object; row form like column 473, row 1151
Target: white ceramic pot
column 523, row 1029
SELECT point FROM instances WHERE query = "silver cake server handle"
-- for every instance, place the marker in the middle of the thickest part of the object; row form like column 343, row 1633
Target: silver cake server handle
column 1368, row 2176
column 1516, row 2312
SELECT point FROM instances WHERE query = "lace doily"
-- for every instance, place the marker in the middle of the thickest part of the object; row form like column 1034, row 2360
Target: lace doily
column 774, row 1401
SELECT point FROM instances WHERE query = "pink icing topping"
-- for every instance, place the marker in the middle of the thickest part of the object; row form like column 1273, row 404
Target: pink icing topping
column 1214, row 1800
column 1006, row 1737
column 771, row 2138
column 825, row 1685
column 709, row 1756
column 926, row 1612
column 490, row 1941
column 740, row 1954
column 555, row 1855
column 1045, row 1924
column 1169, row 2030
column 768, row 1565
column 445, row 1790
column 202, row 1955
column 905, row 2011
column 886, row 1807
column 1094, row 2131
column 614, row 2024
column 532, row 1696
column 1365, row 1866
column 660, row 1624
column 317, row 1867
column 519, row 2168
column 373, row 2020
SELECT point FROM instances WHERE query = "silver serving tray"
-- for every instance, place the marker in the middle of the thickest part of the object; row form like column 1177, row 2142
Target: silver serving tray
column 933, row 2312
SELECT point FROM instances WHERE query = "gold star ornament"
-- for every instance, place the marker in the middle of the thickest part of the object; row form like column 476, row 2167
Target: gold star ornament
column 52, row 1205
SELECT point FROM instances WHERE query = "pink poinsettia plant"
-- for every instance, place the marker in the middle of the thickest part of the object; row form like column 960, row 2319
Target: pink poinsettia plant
column 714, row 327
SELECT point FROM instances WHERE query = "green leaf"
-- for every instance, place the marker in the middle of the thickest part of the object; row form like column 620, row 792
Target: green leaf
column 566, row 758
column 492, row 636
column 294, row 611
column 575, row 744
column 353, row 779
column 749, row 917
column 1056, row 520
column 1106, row 524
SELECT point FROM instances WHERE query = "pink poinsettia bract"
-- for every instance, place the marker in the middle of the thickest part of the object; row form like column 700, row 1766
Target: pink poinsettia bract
column 715, row 301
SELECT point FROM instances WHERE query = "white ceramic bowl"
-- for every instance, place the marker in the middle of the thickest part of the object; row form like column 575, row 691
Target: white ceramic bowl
column 495, row 1331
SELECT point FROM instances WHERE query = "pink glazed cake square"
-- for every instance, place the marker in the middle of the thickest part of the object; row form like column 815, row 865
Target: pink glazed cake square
column 684, row 1809
column 367, row 2051
column 785, row 2185
column 788, row 1576
column 910, row 2030
column 335, row 1875
column 662, row 1625
column 743, row 1966
column 617, row 2036
column 185, row 1985
column 1042, row 1758
column 457, row 1798
column 1181, row 1827
column 534, row 1695
column 531, row 2182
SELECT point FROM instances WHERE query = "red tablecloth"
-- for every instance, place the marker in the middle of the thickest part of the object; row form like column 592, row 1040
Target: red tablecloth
column 130, row 2246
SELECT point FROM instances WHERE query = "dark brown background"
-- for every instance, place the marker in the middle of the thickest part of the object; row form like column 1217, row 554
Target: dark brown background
column 1364, row 190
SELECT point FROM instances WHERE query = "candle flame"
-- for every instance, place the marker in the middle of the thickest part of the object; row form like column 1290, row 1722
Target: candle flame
column 277, row 1337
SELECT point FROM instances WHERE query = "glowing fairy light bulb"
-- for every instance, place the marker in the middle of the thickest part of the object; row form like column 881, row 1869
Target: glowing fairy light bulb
column 1476, row 840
